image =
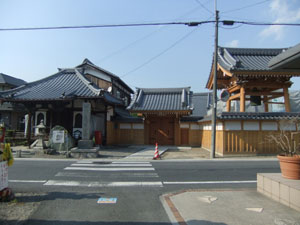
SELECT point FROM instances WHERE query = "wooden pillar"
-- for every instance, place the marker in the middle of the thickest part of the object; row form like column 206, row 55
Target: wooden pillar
column 266, row 103
column 286, row 99
column 228, row 105
column 242, row 99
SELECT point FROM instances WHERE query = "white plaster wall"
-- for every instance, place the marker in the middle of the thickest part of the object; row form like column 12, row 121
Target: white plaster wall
column 125, row 126
column 233, row 125
column 219, row 126
column 98, row 74
column 269, row 126
column 184, row 125
column 138, row 126
column 253, row 125
column 195, row 127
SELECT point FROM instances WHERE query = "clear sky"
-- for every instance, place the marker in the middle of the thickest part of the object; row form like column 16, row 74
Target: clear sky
column 144, row 56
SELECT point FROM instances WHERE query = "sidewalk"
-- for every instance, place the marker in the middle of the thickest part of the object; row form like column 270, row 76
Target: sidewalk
column 226, row 207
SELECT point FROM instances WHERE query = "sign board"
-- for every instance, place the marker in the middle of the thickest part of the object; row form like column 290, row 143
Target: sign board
column 3, row 175
column 107, row 201
column 58, row 136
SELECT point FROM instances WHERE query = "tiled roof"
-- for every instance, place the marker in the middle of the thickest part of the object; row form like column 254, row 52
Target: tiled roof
column 201, row 103
column 87, row 62
column 258, row 116
column 6, row 79
column 122, row 115
column 289, row 59
column 245, row 59
column 161, row 99
column 67, row 83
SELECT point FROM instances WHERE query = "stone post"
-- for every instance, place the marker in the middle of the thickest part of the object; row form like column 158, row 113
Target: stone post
column 86, row 143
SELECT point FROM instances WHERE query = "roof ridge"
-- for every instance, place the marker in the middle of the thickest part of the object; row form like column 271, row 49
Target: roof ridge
column 88, row 83
column 30, row 84
column 164, row 90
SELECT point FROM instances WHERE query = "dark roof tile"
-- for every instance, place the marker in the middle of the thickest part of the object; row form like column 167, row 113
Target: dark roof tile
column 289, row 59
column 161, row 99
column 65, row 84
column 235, row 59
column 258, row 116
column 6, row 79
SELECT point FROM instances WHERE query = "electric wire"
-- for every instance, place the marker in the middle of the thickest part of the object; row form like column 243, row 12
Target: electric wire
column 203, row 6
column 101, row 26
column 110, row 55
column 159, row 54
column 265, row 24
column 144, row 24
column 245, row 7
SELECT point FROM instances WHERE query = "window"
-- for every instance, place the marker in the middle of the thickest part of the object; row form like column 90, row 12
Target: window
column 118, row 94
column 78, row 120
column 40, row 117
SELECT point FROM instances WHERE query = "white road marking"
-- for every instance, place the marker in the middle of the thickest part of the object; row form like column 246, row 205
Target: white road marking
column 258, row 210
column 211, row 182
column 114, row 162
column 81, row 162
column 110, row 165
column 125, row 174
column 103, row 184
column 110, row 169
column 129, row 162
column 27, row 181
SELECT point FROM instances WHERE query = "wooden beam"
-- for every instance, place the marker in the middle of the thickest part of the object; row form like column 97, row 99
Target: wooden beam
column 226, row 72
column 266, row 104
column 234, row 88
column 286, row 99
column 265, row 84
column 242, row 99
column 269, row 74
column 260, row 93
column 223, row 82
column 228, row 105
column 234, row 97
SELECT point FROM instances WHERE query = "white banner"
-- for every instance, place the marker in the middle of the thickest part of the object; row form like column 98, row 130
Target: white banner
column 58, row 136
column 3, row 175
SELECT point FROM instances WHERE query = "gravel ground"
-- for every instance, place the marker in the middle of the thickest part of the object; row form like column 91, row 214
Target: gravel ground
column 113, row 152
column 194, row 153
column 19, row 210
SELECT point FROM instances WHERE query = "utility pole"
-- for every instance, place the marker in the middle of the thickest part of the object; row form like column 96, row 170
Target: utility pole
column 214, row 111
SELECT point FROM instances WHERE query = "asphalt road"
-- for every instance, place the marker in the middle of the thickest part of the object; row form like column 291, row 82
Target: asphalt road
column 71, row 189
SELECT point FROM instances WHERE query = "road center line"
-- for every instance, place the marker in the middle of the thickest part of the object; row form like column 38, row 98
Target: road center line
column 102, row 184
column 27, row 181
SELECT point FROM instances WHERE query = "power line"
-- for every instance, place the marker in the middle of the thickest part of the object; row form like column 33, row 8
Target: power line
column 245, row 7
column 146, row 36
column 202, row 5
column 103, row 26
column 145, row 24
column 159, row 54
column 264, row 23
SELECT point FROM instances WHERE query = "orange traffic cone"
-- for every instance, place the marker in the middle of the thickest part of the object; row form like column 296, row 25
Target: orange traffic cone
column 156, row 153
